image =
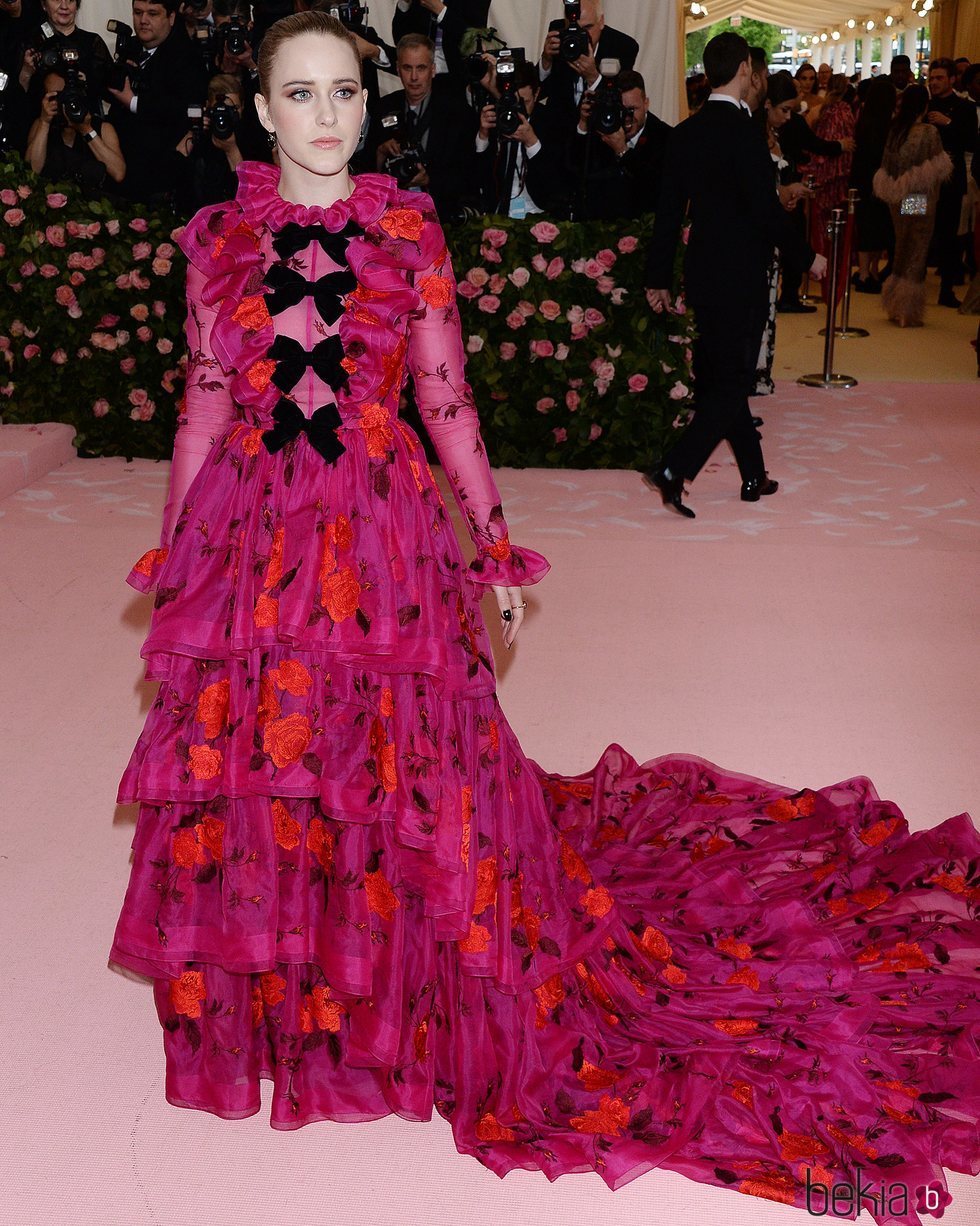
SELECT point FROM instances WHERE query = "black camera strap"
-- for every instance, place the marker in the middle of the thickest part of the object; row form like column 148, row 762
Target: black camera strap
column 417, row 125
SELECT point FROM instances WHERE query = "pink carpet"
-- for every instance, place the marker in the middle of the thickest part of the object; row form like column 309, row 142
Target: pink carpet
column 825, row 632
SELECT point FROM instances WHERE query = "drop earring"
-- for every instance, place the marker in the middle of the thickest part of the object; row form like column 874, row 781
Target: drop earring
column 271, row 136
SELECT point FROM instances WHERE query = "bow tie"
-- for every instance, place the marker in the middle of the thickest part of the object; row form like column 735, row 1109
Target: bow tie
column 293, row 359
column 290, row 287
column 320, row 429
column 294, row 237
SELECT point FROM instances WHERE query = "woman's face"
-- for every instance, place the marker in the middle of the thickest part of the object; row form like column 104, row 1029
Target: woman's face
column 315, row 104
column 806, row 79
column 61, row 13
column 778, row 115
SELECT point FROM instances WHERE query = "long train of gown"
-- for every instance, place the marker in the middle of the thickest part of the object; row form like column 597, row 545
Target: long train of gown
column 350, row 880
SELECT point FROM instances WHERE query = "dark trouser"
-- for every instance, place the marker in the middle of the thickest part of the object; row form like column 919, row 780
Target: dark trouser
column 946, row 245
column 725, row 353
column 792, row 268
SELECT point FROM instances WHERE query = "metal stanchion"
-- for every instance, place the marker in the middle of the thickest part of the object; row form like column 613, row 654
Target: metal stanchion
column 844, row 328
column 806, row 298
column 835, row 228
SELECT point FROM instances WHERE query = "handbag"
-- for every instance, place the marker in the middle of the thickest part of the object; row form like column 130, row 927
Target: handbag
column 916, row 204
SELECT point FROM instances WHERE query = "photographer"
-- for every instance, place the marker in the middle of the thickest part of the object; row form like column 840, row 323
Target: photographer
column 617, row 152
column 519, row 167
column 575, row 45
column 45, row 51
column 444, row 22
column 159, row 83
column 432, row 145
column 235, row 49
column 67, row 142
column 210, row 150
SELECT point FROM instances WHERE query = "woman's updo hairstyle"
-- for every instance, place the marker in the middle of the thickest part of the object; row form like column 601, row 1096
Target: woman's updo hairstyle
column 281, row 31
column 780, row 88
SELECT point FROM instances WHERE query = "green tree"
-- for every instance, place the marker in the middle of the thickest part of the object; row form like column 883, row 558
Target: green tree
column 755, row 33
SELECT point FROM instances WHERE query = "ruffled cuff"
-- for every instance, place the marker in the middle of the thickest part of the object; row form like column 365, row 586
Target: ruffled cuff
column 146, row 571
column 504, row 565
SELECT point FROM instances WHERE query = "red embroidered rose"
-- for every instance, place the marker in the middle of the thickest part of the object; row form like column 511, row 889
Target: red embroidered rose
column 403, row 223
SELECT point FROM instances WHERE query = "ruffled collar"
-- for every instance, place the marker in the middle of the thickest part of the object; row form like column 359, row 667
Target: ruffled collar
column 258, row 196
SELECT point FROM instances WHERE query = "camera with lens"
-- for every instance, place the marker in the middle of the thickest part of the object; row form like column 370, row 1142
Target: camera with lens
column 608, row 114
column 48, row 57
column 234, row 36
column 224, row 118
column 509, row 106
column 402, row 166
column 72, row 100
column 195, row 118
column 127, row 46
column 574, row 40
column 350, row 13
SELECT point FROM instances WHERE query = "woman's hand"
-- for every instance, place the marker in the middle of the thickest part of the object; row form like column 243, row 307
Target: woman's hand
column 510, row 598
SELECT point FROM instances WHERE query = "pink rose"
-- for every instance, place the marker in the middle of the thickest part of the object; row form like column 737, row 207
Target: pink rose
column 478, row 277
column 23, row 192
column 491, row 255
column 468, row 290
column 122, row 281
column 550, row 309
column 519, row 277
column 55, row 235
column 140, row 311
column 102, row 340
column 539, row 263
column 542, row 349
column 64, row 295
column 572, row 400
column 497, row 283
column 678, row 391
column 579, row 332
column 555, row 268
column 545, row 231
column 161, row 267
column 560, row 434
column 515, row 320
column 138, row 396
column 594, row 432
column 57, row 200
column 474, row 344
column 526, row 308
column 127, row 365
column 508, row 350
column 77, row 278
column 76, row 259
column 84, row 352
column 637, row 383
column 144, row 334
column 98, row 256
column 75, row 229
column 100, row 408
column 59, row 357
column 594, row 318
column 14, row 217
column 165, row 251
column 627, row 244
column 593, row 269
column 578, row 265
column 8, row 196
column 601, row 386
column 496, row 238
column 28, row 268
column 108, row 321
column 606, row 257
column 562, row 352
column 31, row 351
column 604, row 370
column 48, row 270
column 140, row 225
column 112, row 226
column 144, row 411
column 489, row 303
column 159, row 309
column 545, row 404
column 122, row 337
column 617, row 296
column 605, row 284
column 164, row 345
column 575, row 315
column 141, row 251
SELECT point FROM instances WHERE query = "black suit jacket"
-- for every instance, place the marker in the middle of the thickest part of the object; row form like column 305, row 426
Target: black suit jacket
column 173, row 79
column 460, row 16
column 626, row 186
column 559, row 85
column 718, row 171
column 545, row 180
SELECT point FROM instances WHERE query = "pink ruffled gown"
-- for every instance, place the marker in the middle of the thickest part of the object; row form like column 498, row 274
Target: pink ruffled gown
column 349, row 879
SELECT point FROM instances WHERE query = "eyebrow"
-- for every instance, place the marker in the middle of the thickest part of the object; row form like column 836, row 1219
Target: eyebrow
column 338, row 81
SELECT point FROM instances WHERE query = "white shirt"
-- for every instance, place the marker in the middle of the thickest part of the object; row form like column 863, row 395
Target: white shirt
column 734, row 101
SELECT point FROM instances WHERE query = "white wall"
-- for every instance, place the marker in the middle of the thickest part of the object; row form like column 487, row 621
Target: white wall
column 524, row 24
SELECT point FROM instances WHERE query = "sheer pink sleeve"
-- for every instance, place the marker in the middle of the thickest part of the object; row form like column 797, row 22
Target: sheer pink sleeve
column 207, row 405
column 437, row 363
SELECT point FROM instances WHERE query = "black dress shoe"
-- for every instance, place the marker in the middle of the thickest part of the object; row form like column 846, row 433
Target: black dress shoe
column 794, row 308
column 671, row 488
column 947, row 298
column 755, row 487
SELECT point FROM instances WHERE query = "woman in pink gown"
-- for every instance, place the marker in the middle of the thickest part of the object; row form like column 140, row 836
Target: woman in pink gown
column 350, row 880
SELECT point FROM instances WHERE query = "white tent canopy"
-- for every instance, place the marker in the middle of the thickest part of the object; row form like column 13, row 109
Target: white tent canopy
column 812, row 16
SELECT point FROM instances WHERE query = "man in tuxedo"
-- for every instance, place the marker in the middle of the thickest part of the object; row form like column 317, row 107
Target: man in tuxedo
column 445, row 22
column 622, row 169
column 152, row 118
column 562, row 81
column 955, row 119
column 718, row 170
column 431, row 119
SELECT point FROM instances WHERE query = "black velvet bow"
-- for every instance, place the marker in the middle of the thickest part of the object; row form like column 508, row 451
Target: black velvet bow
column 325, row 358
column 290, row 287
column 320, row 429
column 293, row 238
